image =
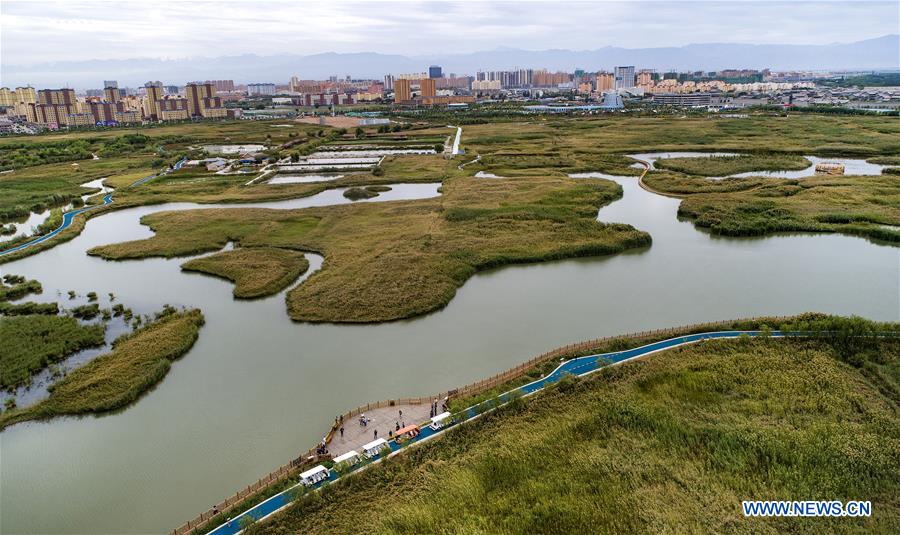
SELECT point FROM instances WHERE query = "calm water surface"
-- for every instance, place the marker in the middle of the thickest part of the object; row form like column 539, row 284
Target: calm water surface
column 257, row 389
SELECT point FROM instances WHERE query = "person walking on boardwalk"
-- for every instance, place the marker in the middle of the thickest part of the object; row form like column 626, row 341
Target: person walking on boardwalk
column 342, row 431
column 376, row 433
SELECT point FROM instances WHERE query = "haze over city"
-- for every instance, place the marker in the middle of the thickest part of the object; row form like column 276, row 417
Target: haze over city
column 167, row 37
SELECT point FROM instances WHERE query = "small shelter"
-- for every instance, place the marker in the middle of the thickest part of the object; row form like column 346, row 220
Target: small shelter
column 314, row 475
column 375, row 447
column 407, row 433
column 350, row 458
column 440, row 420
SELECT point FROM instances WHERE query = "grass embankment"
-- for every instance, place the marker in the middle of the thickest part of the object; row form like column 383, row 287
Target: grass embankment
column 255, row 271
column 387, row 261
column 732, row 165
column 669, row 443
column 138, row 361
column 30, row 343
column 858, row 205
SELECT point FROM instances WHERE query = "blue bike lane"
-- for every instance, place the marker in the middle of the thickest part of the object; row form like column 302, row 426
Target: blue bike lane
column 69, row 216
column 579, row 366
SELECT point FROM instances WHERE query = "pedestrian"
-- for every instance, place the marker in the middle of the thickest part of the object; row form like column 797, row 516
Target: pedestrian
column 398, row 427
column 401, row 413
column 342, row 419
column 376, row 433
column 342, row 431
column 390, row 434
column 215, row 510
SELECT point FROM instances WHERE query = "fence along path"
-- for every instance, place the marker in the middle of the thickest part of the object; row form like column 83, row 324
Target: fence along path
column 311, row 456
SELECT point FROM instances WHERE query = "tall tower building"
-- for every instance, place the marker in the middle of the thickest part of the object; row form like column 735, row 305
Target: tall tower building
column 151, row 101
column 195, row 94
column 435, row 71
column 402, row 90
column 428, row 87
column 605, row 81
column 111, row 94
column 57, row 97
column 625, row 77
column 26, row 95
column 388, row 82
column 7, row 97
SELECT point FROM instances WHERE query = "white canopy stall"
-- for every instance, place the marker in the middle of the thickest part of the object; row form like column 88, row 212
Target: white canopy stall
column 373, row 448
column 314, row 475
column 350, row 458
column 440, row 420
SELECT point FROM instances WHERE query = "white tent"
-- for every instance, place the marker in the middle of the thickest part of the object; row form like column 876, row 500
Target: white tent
column 372, row 448
column 314, row 475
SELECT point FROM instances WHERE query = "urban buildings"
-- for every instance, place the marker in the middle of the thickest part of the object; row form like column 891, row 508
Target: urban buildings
column 222, row 85
column 624, row 77
column 402, row 90
column 605, row 81
column 261, row 89
column 428, row 87
column 203, row 102
column 434, row 71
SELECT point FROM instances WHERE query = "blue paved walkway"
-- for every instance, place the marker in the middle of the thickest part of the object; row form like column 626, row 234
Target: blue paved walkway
column 578, row 367
column 68, row 217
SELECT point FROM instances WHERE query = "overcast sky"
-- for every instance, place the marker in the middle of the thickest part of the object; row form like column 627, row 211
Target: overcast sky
column 41, row 31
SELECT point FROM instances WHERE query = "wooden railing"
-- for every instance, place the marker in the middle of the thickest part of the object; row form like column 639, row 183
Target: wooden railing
column 468, row 390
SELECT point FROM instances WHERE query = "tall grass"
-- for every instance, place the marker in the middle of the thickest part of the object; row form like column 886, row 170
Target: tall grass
column 30, row 343
column 667, row 444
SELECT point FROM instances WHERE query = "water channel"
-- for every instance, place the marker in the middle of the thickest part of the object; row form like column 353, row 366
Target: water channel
column 257, row 388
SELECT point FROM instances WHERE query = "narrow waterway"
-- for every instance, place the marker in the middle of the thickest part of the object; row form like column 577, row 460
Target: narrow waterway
column 257, row 388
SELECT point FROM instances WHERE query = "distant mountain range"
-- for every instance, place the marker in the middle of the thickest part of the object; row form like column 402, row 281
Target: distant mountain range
column 871, row 54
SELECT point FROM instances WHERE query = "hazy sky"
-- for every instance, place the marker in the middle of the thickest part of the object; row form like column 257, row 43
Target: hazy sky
column 41, row 31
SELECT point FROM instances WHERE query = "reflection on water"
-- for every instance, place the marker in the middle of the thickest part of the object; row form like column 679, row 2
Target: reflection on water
column 853, row 167
column 257, row 388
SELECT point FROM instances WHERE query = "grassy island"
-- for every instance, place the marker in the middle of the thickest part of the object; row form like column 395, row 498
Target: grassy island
column 255, row 271
column 136, row 363
column 732, row 165
column 393, row 260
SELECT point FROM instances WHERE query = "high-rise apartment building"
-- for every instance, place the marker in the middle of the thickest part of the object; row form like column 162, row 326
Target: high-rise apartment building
column 7, row 97
column 110, row 83
column 57, row 97
column 26, row 95
column 605, row 81
column 111, row 94
column 435, row 71
column 625, row 77
column 173, row 109
column 644, row 77
column 402, row 90
column 388, row 82
column 428, row 87
column 222, row 85
column 151, row 100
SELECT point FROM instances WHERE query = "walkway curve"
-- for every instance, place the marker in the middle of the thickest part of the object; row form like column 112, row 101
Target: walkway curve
column 69, row 217
column 643, row 185
column 578, row 367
